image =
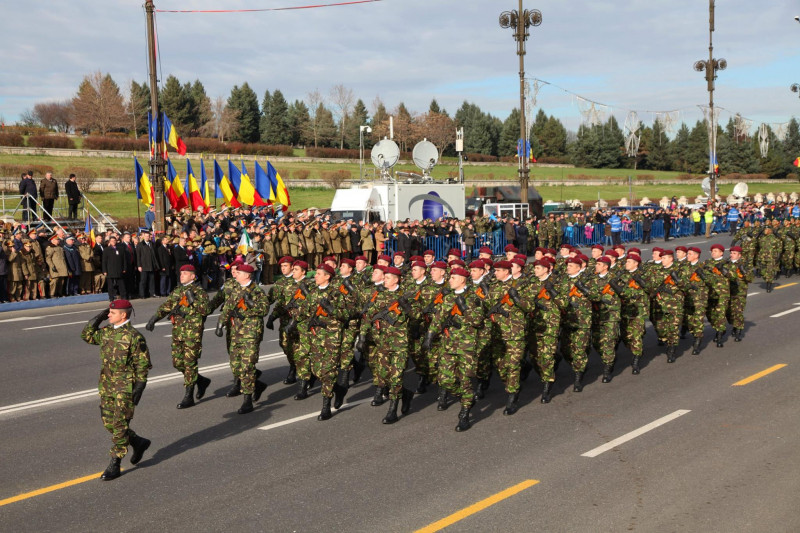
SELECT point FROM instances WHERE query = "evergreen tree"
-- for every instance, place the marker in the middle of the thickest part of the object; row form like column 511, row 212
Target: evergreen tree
column 326, row 127
column 586, row 148
column 509, row 136
column 176, row 101
column 658, row 148
column 201, row 108
column 791, row 146
column 434, row 107
column 298, row 120
column 697, row 154
column 477, row 129
column 612, row 145
column 275, row 124
column 359, row 117
column 539, row 123
column 244, row 102
column 552, row 137
column 380, row 121
column 679, row 150
column 772, row 165
column 262, row 123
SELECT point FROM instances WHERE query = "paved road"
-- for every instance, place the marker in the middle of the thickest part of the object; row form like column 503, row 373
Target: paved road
column 725, row 458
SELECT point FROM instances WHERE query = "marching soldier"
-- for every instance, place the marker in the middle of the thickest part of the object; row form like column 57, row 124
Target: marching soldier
column 576, row 321
column 605, row 316
column 742, row 275
column 769, row 252
column 545, row 323
column 635, row 306
column 279, row 295
column 696, row 302
column 187, row 308
column 717, row 278
column 667, row 299
column 123, row 377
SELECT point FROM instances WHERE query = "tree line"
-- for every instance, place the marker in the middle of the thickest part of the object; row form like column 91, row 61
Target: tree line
column 334, row 120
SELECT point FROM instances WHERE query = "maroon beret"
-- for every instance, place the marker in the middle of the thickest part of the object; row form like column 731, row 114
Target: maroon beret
column 694, row 249
column 667, row 252
column 635, row 257
column 454, row 251
column 401, row 254
column 456, row 263
column 187, row 268
column 431, row 252
column 301, row 264
column 540, row 249
column 605, row 259
column 485, row 250
column 478, row 263
column 567, row 246
column 598, row 247
column 458, row 271
column 542, row 263
column 392, row 270
column 361, row 258
column 326, row 268
column 120, row 304
column 286, row 259
column 681, row 249
column 247, row 268
column 736, row 249
column 380, row 268
column 657, row 249
column 574, row 261
column 718, row 247
column 488, row 262
column 415, row 258
column 518, row 261
column 634, row 250
column 612, row 253
column 328, row 258
column 439, row 264
column 348, row 262
column 511, row 248
column 420, row 264
column 385, row 258
column 503, row 264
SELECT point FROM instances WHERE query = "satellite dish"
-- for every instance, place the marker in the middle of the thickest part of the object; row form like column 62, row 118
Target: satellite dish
column 425, row 156
column 706, row 185
column 385, row 155
column 740, row 190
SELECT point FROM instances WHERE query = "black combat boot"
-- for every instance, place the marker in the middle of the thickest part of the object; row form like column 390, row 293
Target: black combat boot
column 358, row 369
column 463, row 419
column 340, row 387
column 684, row 329
column 718, row 338
column 511, row 403
column 291, row 377
column 578, row 385
column 607, row 371
column 260, row 388
column 405, row 400
column 236, row 390
column 769, row 286
column 188, row 398
column 247, row 405
column 378, row 398
column 671, row 354
column 202, row 386
column 302, row 390
column 546, row 391
column 525, row 369
column 441, row 400
column 139, row 445
column 738, row 334
column 696, row 345
column 112, row 470
column 635, row 369
column 480, row 390
column 311, row 381
column 325, row 414
column 422, row 387
column 391, row 416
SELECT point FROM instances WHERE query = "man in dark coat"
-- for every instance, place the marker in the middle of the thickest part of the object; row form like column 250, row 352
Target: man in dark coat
column 667, row 217
column 131, row 274
column 73, row 257
column 147, row 265
column 73, row 196
column 164, row 259
column 180, row 255
column 647, row 226
column 28, row 186
column 114, row 269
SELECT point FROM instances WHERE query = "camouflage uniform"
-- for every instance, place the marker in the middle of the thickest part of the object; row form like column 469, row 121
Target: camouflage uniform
column 667, row 296
column 299, row 337
column 508, row 321
column 188, row 320
column 483, row 364
column 789, row 246
column 695, row 302
column 387, row 325
column 740, row 278
column 429, row 302
column 126, row 362
column 717, row 280
column 576, row 322
column 277, row 295
column 545, row 321
column 635, row 303
column 324, row 332
column 351, row 301
column 217, row 300
column 769, row 252
column 606, row 309
column 246, row 331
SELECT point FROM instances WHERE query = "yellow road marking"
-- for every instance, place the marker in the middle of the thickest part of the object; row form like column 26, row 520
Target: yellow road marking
column 786, row 285
column 477, row 507
column 51, row 488
column 761, row 374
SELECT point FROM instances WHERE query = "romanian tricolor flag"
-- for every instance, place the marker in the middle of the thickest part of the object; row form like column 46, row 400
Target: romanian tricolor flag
column 263, row 186
column 715, row 164
column 204, row 187
column 796, row 162
column 241, row 182
column 281, row 192
column 223, row 188
column 171, row 136
column 89, row 230
column 193, row 190
column 173, row 189
column 144, row 189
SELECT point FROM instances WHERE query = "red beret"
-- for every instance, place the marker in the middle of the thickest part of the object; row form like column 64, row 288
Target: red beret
column 511, row 248
column 247, row 268
column 605, row 259
column 485, row 250
column 503, row 264
column 326, row 268
column 187, row 268
column 392, row 270
column 582, row 257
column 635, row 257
column 551, row 251
column 718, row 247
column 328, row 258
column 567, row 246
column 518, row 261
column 542, row 263
column 549, row 260
column 286, row 259
column 540, row 249
column 667, row 252
column 694, row 249
column 401, row 254
column 415, row 258
column 478, row 263
column 681, row 249
column 420, row 264
column 619, row 246
column 456, row 263
column 634, row 250
column 301, row 264
column 454, row 251
column 361, row 258
column 120, row 304
column 612, row 253
column 574, row 261
column 736, row 249
column 431, row 252
column 458, row 271
column 488, row 262
column 237, row 263
column 439, row 264
column 598, row 247
column 657, row 249
column 385, row 258
column 380, row 268
column 348, row 262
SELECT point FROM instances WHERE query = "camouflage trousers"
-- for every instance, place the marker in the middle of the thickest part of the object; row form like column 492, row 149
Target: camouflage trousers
column 288, row 342
column 418, row 356
column 574, row 342
column 797, row 258
column 185, row 354
column 735, row 311
column 604, row 340
column 769, row 269
column 456, row 372
column 387, row 368
column 324, row 361
column 667, row 324
column 694, row 314
column 116, row 410
column 346, row 346
column 546, row 346
column 302, row 356
column 243, row 359
column 716, row 312
column 483, row 357
column 632, row 333
column 508, row 354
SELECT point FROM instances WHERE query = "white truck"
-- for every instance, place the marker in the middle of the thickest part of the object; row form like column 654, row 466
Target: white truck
column 399, row 201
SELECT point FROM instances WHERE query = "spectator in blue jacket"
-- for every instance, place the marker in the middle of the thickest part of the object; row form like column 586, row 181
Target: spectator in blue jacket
column 616, row 229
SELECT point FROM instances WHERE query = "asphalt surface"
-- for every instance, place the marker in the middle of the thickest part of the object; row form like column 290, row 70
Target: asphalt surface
column 728, row 464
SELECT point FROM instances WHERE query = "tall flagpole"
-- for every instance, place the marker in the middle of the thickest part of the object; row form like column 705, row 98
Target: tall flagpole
column 156, row 161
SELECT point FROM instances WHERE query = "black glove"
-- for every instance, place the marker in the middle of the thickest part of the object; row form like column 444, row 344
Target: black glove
column 97, row 320
column 271, row 322
column 218, row 331
column 326, row 305
column 248, row 300
column 405, row 305
column 700, row 274
column 349, row 286
column 291, row 326
column 675, row 278
column 360, row 343
column 461, row 303
column 151, row 324
column 427, row 344
column 138, row 389
column 614, row 285
column 513, row 293
column 190, row 297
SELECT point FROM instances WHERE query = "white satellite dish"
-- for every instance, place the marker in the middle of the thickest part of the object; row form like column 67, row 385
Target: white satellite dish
column 706, row 185
column 740, row 190
column 425, row 156
column 385, row 155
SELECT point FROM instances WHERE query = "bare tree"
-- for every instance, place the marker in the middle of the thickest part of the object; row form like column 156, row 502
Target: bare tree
column 54, row 115
column 342, row 98
column 438, row 129
column 224, row 120
column 27, row 118
column 99, row 104
column 313, row 100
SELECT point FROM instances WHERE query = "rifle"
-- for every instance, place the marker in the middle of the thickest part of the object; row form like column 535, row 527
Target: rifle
column 390, row 314
column 498, row 308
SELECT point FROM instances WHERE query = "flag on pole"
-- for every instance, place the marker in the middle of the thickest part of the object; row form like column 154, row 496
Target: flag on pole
column 171, row 136
column 204, row 187
column 714, row 164
column 223, row 187
column 193, row 190
column 151, row 134
column 528, row 151
column 263, row 185
column 244, row 243
column 247, row 193
column 89, row 230
column 144, row 189
column 796, row 162
column 281, row 192
column 174, row 190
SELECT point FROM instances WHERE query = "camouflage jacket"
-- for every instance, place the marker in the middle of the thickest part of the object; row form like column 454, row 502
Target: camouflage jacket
column 386, row 322
column 718, row 278
column 635, row 301
column 221, row 294
column 547, row 306
column 458, row 323
column 124, row 355
column 741, row 276
column 187, row 318
column 246, row 320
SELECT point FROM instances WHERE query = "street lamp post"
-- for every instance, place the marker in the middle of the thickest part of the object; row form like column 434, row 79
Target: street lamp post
column 361, row 131
column 711, row 66
column 520, row 20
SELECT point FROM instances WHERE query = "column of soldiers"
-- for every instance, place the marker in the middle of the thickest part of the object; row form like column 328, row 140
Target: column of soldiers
column 772, row 248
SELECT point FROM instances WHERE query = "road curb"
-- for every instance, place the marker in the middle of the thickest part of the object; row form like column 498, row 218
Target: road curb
column 53, row 302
